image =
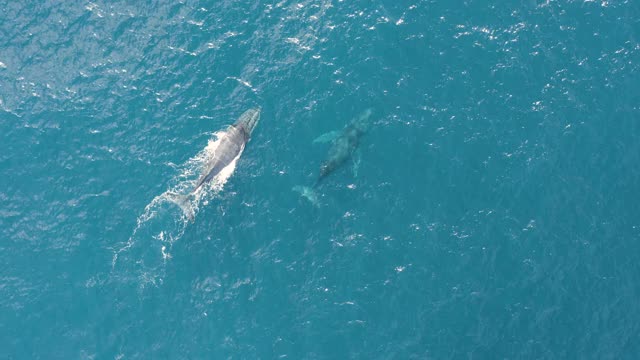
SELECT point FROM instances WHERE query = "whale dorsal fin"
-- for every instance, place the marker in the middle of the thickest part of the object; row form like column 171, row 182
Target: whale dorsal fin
column 327, row 137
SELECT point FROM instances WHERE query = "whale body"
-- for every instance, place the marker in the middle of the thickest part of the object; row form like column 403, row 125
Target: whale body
column 343, row 145
column 231, row 143
column 230, row 147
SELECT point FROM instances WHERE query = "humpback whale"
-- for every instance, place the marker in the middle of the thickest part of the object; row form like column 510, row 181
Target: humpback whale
column 230, row 146
column 343, row 145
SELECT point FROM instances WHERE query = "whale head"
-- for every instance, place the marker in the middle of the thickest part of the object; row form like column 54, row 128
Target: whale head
column 362, row 123
column 248, row 121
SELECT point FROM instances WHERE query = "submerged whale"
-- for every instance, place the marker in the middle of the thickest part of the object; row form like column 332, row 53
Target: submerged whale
column 343, row 145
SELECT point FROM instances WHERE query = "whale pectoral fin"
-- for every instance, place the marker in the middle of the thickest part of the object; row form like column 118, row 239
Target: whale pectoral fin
column 327, row 137
column 356, row 158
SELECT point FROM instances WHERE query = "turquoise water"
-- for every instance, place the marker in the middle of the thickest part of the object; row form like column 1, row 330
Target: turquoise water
column 493, row 213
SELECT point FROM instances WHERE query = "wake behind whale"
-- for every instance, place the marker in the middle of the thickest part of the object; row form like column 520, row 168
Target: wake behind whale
column 199, row 180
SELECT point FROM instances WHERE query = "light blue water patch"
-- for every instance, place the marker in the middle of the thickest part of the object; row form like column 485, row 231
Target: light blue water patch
column 492, row 214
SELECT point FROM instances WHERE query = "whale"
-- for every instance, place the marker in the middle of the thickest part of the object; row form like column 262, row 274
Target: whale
column 231, row 145
column 344, row 144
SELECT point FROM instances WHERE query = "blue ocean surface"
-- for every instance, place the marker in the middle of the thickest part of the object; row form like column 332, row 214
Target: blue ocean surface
column 489, row 212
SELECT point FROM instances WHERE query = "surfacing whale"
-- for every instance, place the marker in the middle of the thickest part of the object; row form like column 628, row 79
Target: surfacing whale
column 232, row 142
column 231, row 146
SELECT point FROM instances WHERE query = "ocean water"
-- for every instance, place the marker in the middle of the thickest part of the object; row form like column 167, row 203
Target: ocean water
column 492, row 214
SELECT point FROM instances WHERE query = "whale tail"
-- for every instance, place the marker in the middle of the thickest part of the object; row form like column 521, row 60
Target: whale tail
column 184, row 202
column 308, row 193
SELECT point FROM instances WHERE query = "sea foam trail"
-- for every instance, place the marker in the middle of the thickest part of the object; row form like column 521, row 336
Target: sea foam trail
column 164, row 220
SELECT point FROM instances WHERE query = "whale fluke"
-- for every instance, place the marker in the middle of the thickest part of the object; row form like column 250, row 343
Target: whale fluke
column 308, row 193
column 184, row 202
